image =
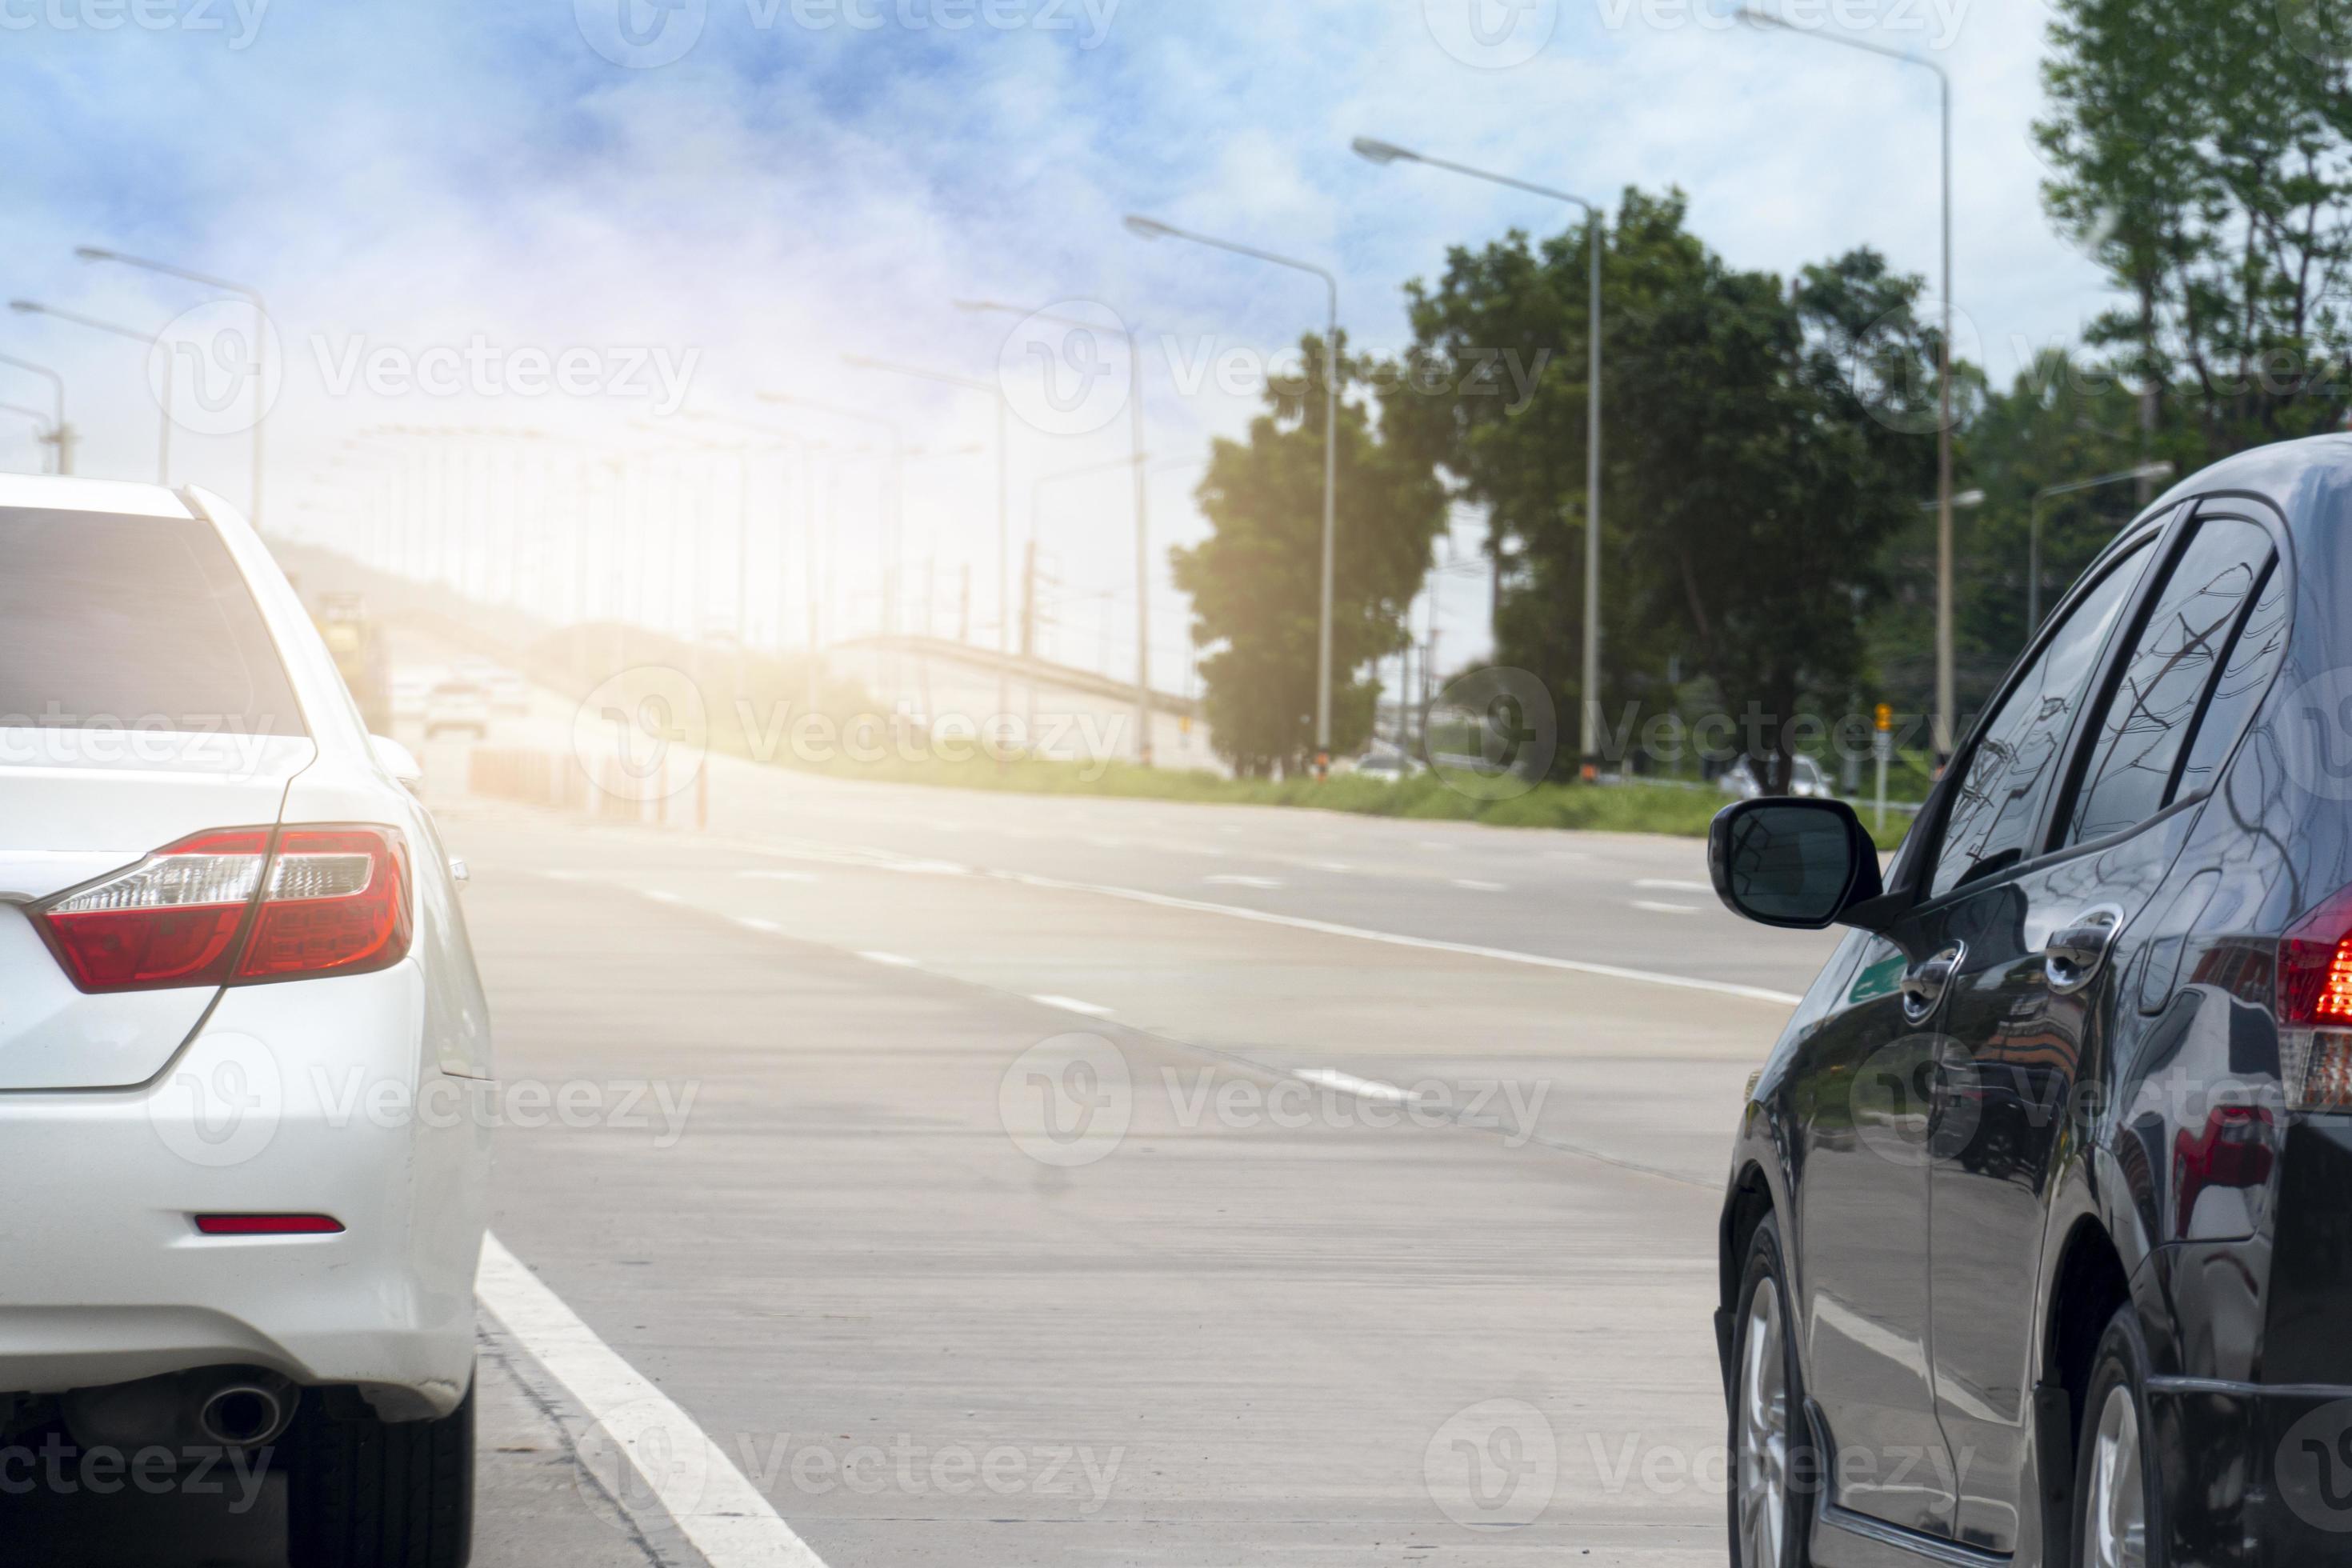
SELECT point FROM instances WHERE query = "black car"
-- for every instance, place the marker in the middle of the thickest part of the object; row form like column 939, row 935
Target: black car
column 2038, row 1244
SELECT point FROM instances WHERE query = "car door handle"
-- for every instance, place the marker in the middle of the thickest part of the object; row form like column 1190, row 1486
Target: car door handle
column 2072, row 956
column 1923, row 984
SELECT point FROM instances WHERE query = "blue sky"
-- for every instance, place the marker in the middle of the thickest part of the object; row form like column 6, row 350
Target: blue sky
column 796, row 184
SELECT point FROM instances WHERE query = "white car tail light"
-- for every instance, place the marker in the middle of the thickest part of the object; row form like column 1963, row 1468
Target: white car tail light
column 229, row 907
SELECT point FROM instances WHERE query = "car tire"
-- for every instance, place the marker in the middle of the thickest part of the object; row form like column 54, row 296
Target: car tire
column 2116, row 1502
column 1772, row 1465
column 364, row 1492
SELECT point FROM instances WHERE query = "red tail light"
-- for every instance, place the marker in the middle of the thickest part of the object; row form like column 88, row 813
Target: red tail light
column 227, row 907
column 2314, row 1007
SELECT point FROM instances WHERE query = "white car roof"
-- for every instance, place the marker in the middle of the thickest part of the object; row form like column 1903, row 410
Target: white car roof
column 54, row 492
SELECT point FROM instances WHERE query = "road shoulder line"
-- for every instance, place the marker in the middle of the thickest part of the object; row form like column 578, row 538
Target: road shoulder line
column 727, row 1519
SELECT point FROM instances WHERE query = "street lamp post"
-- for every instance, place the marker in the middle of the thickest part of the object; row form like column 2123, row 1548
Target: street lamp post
column 40, row 420
column 2158, row 470
column 1142, row 523
column 1152, row 228
column 260, row 339
column 1944, row 685
column 1004, row 510
column 1589, row 724
column 163, row 437
column 59, row 431
column 898, row 483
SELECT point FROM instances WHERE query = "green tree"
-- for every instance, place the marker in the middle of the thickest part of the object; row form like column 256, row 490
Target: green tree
column 2201, row 150
column 1256, row 581
column 1764, row 442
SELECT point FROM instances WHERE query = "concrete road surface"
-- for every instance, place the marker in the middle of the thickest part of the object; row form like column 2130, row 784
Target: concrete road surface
column 899, row 1176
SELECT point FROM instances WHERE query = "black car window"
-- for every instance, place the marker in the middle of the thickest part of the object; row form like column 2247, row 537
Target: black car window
column 2163, row 680
column 2009, row 774
column 2254, row 659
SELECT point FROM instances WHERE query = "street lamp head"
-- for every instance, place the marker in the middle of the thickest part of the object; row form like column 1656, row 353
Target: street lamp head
column 1148, row 227
column 1969, row 499
column 94, row 253
column 1380, row 152
column 978, row 306
column 25, row 307
column 858, row 362
column 2159, row 469
column 1756, row 18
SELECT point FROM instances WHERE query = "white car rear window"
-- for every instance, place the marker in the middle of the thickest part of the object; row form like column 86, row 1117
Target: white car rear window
column 114, row 621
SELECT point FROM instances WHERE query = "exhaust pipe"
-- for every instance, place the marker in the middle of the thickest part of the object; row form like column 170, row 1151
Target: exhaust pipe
column 218, row 1406
column 243, row 1414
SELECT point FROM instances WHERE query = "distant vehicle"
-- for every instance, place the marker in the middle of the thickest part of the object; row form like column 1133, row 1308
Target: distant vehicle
column 509, row 694
column 457, row 705
column 1389, row 767
column 408, row 695
column 1809, row 781
column 361, row 657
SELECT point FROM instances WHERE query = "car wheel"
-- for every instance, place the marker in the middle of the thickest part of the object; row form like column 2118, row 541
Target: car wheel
column 1771, row 1445
column 368, row 1493
column 2115, row 1490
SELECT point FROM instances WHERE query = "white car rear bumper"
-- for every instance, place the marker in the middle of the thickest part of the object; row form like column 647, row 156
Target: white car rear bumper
column 315, row 1097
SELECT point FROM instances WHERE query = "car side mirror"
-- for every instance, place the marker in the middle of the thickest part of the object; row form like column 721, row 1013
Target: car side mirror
column 397, row 760
column 1799, row 864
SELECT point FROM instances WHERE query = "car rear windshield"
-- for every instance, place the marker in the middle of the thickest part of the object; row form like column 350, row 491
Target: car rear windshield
column 113, row 621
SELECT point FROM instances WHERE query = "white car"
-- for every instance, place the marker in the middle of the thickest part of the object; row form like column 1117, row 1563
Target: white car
column 244, row 1061
column 1807, row 780
column 457, row 704
column 408, row 695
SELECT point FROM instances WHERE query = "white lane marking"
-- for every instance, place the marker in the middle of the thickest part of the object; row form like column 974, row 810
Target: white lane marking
column 1668, row 885
column 894, row 959
column 1071, row 1005
column 1425, row 944
column 730, row 1523
column 1658, row 908
column 1243, row 881
column 1476, row 886
column 1348, row 1083
column 768, row 928
column 765, row 876
column 659, row 896
column 930, row 867
column 1341, row 867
